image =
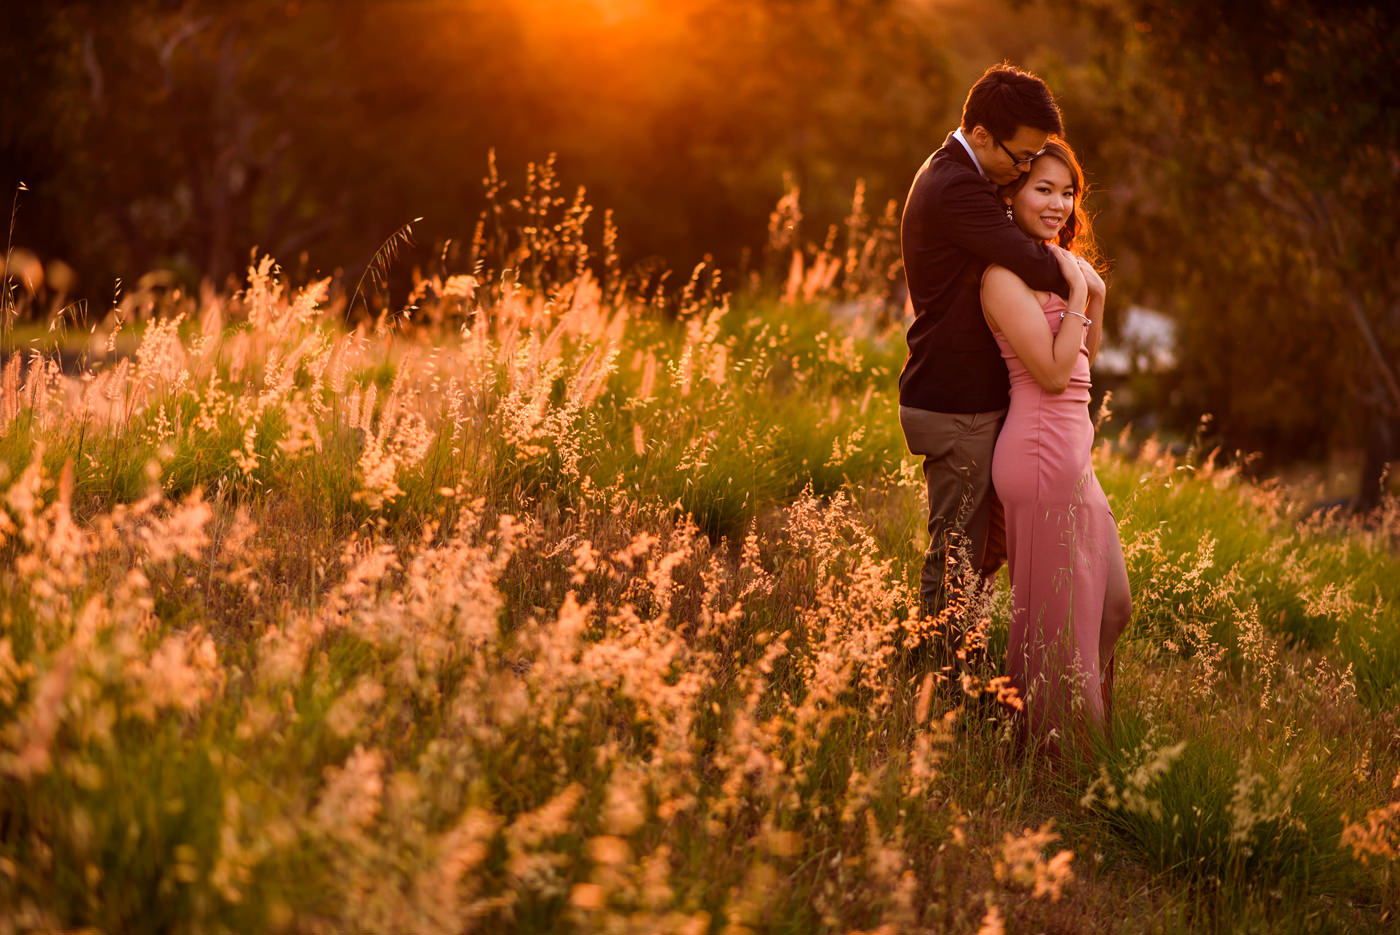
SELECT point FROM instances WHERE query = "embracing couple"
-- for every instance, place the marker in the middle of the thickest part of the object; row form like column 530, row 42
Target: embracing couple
column 1008, row 315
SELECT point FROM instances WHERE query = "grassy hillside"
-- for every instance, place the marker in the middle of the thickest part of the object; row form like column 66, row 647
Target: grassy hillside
column 572, row 608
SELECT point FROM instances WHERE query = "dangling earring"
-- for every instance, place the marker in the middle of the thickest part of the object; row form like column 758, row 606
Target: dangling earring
column 1008, row 213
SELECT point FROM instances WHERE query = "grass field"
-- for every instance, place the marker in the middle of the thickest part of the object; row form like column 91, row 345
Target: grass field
column 553, row 604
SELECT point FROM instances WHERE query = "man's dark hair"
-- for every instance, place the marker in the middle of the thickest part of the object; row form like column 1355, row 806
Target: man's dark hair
column 1005, row 98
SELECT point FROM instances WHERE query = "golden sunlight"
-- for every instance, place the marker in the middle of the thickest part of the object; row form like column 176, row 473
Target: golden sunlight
column 605, row 12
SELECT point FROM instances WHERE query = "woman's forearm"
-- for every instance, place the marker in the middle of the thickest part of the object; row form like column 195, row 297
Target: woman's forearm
column 1064, row 352
column 1095, row 336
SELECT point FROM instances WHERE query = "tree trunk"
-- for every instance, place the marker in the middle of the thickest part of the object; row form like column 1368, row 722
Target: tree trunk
column 1383, row 433
column 1382, row 450
column 226, row 145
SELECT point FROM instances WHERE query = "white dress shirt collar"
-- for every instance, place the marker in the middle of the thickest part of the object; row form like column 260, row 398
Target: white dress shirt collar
column 958, row 135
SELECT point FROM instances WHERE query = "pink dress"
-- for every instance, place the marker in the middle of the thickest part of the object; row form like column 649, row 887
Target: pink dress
column 1058, row 534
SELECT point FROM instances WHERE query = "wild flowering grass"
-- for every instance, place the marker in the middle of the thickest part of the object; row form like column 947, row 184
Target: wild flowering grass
column 565, row 604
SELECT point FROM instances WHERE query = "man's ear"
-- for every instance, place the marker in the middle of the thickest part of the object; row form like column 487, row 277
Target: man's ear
column 980, row 135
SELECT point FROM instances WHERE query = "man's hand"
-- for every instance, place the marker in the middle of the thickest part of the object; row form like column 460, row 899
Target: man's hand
column 1069, row 266
column 1097, row 287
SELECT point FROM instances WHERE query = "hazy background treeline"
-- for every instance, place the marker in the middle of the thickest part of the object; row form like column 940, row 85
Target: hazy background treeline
column 1245, row 156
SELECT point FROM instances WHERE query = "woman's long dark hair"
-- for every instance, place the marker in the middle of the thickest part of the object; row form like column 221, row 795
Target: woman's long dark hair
column 1077, row 236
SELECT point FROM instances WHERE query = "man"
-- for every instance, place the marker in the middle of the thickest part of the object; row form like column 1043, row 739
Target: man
column 954, row 390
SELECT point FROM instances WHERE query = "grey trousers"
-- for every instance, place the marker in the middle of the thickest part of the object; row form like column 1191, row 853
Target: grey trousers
column 963, row 512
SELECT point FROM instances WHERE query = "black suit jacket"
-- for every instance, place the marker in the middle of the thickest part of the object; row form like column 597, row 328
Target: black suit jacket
column 953, row 228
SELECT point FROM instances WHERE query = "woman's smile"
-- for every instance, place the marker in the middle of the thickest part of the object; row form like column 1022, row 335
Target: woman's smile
column 1043, row 206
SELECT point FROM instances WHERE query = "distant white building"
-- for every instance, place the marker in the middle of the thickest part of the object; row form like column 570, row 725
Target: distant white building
column 1146, row 343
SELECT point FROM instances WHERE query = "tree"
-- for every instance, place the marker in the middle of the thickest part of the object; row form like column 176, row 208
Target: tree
column 171, row 144
column 1257, row 155
column 181, row 133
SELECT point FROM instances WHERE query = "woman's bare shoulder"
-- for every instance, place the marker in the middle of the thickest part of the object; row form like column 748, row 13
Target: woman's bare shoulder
column 1002, row 280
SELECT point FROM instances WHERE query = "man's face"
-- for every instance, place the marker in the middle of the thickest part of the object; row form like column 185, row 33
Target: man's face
column 1005, row 161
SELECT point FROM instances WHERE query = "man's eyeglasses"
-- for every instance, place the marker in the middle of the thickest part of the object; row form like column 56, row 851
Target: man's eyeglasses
column 1018, row 161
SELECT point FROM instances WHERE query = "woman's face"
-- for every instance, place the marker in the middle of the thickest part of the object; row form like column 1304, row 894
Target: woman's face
column 1046, row 202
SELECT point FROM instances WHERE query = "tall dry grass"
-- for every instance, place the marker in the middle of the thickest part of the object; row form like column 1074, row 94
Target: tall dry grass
column 555, row 601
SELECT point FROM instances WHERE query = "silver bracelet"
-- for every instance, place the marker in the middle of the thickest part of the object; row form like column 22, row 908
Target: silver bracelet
column 1087, row 322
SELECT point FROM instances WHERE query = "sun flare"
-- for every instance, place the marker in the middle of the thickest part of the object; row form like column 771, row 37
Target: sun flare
column 607, row 12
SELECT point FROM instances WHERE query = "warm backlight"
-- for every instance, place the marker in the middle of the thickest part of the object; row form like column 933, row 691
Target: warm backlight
column 609, row 12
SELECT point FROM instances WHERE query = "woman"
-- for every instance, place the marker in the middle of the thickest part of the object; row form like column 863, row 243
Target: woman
column 1070, row 598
